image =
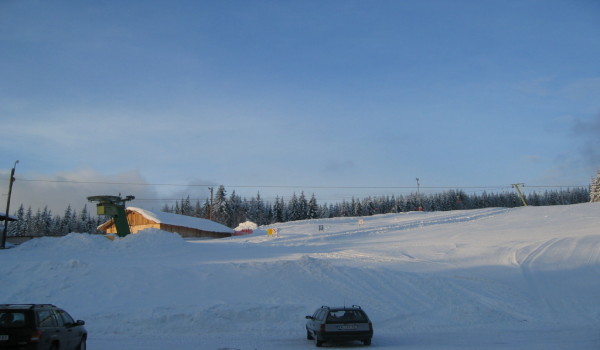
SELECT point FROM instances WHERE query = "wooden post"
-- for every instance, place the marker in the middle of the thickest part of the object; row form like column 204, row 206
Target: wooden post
column 10, row 185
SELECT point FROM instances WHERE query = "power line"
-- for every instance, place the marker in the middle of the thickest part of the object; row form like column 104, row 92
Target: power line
column 326, row 199
column 291, row 186
column 341, row 195
column 208, row 185
column 332, row 197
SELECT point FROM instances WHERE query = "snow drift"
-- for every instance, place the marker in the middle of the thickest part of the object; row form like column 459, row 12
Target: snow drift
column 524, row 278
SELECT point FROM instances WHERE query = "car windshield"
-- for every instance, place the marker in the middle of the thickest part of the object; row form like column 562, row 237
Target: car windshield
column 346, row 316
column 12, row 319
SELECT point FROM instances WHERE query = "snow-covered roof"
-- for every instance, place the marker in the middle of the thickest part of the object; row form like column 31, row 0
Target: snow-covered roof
column 182, row 220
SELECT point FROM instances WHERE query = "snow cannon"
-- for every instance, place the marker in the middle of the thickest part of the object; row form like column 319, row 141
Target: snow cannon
column 113, row 206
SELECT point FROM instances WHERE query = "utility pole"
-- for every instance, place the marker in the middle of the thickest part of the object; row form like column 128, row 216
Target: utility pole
column 211, row 204
column 418, row 185
column 10, row 185
column 521, row 196
column 420, row 208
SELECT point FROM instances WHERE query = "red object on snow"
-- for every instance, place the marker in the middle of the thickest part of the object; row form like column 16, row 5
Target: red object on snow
column 245, row 231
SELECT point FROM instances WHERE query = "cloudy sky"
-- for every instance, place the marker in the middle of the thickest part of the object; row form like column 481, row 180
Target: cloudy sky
column 145, row 97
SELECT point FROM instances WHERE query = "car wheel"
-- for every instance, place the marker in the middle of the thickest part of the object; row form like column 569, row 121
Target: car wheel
column 367, row 341
column 308, row 335
column 54, row 346
column 319, row 343
column 82, row 345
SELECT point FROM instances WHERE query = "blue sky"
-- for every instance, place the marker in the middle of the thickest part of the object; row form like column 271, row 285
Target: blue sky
column 307, row 95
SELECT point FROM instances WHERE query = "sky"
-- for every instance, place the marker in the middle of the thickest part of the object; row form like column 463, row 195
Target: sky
column 162, row 99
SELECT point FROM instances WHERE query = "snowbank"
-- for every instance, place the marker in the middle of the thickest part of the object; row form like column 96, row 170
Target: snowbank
column 521, row 278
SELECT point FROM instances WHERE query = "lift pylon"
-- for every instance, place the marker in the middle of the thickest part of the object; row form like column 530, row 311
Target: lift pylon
column 521, row 196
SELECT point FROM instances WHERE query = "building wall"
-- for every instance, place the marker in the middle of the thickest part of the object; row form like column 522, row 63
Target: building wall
column 136, row 219
column 191, row 232
column 138, row 222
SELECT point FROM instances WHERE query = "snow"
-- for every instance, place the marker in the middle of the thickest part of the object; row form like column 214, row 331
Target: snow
column 246, row 225
column 182, row 220
column 524, row 278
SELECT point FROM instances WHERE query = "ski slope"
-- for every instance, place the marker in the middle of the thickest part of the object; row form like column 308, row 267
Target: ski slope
column 497, row 278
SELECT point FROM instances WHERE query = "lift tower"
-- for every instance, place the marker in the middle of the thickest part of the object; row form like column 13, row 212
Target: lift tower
column 113, row 206
column 521, row 196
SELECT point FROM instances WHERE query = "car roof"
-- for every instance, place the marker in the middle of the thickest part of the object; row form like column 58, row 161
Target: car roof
column 25, row 306
column 340, row 308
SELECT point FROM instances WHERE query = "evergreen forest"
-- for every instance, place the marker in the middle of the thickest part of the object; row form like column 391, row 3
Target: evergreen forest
column 231, row 210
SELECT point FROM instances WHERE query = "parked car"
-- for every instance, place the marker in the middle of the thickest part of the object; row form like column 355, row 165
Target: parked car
column 333, row 324
column 40, row 326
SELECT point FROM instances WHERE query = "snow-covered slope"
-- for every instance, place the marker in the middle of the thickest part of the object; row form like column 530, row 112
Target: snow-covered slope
column 525, row 278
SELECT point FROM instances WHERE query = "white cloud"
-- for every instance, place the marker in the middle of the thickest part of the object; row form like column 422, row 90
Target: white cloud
column 72, row 188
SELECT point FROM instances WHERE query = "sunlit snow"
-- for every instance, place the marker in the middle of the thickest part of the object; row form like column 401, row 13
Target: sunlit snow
column 523, row 278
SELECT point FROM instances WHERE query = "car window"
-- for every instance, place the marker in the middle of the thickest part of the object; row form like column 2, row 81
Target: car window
column 65, row 317
column 346, row 316
column 321, row 315
column 12, row 319
column 59, row 320
column 46, row 319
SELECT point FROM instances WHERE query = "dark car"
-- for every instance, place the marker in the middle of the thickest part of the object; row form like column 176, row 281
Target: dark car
column 40, row 326
column 335, row 324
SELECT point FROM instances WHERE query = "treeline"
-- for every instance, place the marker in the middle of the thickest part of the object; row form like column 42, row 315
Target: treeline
column 595, row 189
column 44, row 223
column 233, row 209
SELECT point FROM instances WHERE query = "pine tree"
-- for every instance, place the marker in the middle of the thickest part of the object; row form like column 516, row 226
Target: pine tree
column 85, row 223
column 302, row 207
column 237, row 210
column 56, row 226
column 207, row 210
column 278, row 210
column 269, row 214
column 16, row 228
column 257, row 212
column 313, row 208
column 357, row 208
column 333, row 211
column 37, row 225
column 66, row 225
column 29, row 223
column 221, row 212
column 370, row 206
column 293, row 212
column 595, row 189
column 186, row 207
column 46, row 221
column 198, row 210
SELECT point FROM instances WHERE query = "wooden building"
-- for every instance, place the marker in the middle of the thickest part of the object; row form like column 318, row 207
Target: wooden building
column 185, row 226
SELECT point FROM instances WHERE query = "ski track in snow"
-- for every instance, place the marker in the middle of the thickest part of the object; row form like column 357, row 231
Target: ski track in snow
column 494, row 278
column 550, row 270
